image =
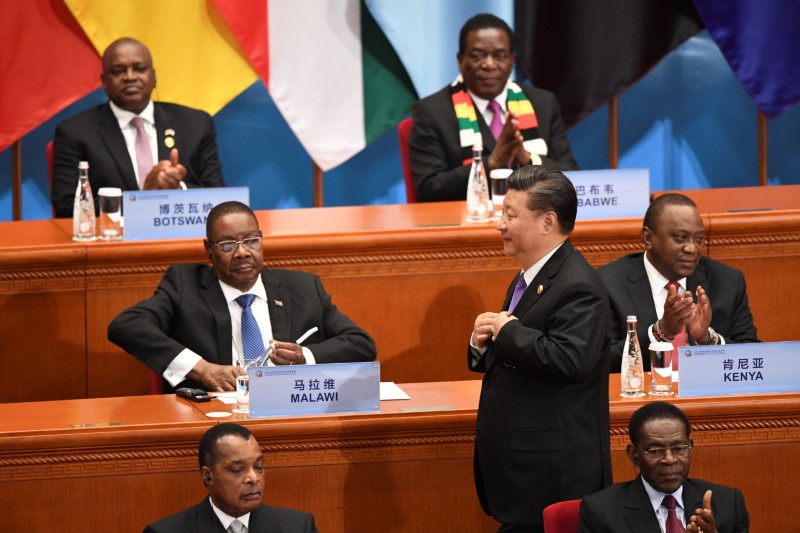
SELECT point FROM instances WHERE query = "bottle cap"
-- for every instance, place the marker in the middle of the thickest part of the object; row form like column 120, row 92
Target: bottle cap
column 83, row 165
column 477, row 145
column 631, row 318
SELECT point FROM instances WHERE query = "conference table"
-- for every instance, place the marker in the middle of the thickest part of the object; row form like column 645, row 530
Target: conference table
column 123, row 462
column 413, row 276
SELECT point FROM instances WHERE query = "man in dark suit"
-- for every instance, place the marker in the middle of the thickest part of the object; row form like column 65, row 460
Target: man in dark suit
column 637, row 284
column 193, row 331
column 663, row 497
column 543, row 422
column 232, row 470
column 131, row 142
column 526, row 121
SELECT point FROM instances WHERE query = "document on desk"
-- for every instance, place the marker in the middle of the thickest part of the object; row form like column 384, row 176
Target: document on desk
column 390, row 391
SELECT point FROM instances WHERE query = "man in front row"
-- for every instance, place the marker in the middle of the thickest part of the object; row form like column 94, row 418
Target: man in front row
column 663, row 497
column 232, row 470
column 677, row 295
column 204, row 323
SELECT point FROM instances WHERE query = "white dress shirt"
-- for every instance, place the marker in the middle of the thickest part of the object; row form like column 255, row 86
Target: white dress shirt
column 129, row 132
column 657, row 497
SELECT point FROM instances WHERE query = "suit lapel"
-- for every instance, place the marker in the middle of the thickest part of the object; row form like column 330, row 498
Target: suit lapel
column 698, row 277
column 215, row 300
column 638, row 512
column 280, row 307
column 640, row 293
column 111, row 135
column 692, row 499
column 207, row 521
column 164, row 121
column 543, row 280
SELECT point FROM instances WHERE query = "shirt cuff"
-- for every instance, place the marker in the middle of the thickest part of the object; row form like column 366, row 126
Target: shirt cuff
column 183, row 363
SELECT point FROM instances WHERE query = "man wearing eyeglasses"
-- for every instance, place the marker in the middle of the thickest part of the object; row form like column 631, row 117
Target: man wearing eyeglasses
column 518, row 124
column 663, row 497
column 204, row 323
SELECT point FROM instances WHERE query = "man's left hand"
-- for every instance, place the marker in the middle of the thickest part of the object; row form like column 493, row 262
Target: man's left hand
column 287, row 353
column 501, row 320
column 698, row 328
column 167, row 174
column 702, row 520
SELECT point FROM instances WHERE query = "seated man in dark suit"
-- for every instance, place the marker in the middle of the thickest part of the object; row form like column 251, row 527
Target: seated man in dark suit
column 131, row 142
column 676, row 294
column 232, row 469
column 204, row 323
column 519, row 125
column 663, row 497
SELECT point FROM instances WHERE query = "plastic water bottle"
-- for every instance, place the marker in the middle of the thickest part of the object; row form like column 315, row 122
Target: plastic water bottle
column 479, row 205
column 632, row 376
column 83, row 209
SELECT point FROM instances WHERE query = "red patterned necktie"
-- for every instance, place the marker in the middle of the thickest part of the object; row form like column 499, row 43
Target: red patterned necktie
column 680, row 338
column 673, row 522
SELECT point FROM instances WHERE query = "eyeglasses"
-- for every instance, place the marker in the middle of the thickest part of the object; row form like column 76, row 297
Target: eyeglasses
column 251, row 243
column 656, row 454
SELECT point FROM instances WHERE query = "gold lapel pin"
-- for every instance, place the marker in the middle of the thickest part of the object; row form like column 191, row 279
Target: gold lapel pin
column 169, row 132
column 279, row 303
column 539, row 289
column 169, row 142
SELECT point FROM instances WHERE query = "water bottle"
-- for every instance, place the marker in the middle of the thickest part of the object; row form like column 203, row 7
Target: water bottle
column 479, row 205
column 632, row 376
column 83, row 209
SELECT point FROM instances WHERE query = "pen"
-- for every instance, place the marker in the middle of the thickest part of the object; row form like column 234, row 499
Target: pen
column 306, row 335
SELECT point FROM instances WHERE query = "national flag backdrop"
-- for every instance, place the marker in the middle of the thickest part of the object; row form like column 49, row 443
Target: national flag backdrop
column 46, row 63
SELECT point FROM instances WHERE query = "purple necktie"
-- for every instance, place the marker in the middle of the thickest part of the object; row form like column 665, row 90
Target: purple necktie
column 144, row 157
column 497, row 118
column 519, row 290
column 673, row 522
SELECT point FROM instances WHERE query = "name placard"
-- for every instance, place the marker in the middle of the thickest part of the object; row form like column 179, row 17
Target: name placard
column 174, row 214
column 315, row 389
column 616, row 193
column 739, row 369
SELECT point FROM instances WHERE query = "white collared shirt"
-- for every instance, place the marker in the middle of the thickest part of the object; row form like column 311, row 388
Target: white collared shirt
column 129, row 132
column 483, row 105
column 226, row 519
column 657, row 497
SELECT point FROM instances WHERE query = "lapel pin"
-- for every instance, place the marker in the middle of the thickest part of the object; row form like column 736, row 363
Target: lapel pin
column 169, row 132
column 539, row 289
column 169, row 142
column 279, row 303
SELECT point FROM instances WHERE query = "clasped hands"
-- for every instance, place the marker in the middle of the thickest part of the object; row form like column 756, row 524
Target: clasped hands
column 509, row 146
column 488, row 325
column 221, row 378
column 167, row 174
column 702, row 521
column 681, row 310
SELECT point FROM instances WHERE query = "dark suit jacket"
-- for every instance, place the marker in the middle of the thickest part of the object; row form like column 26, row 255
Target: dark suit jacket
column 625, row 508
column 188, row 310
column 95, row 136
column 435, row 149
column 543, row 423
column 201, row 519
column 629, row 293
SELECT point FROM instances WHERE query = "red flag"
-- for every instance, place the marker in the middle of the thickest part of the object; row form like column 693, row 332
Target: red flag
column 248, row 21
column 46, row 64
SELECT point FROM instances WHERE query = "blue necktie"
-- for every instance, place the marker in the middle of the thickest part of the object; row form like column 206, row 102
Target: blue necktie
column 519, row 290
column 252, row 343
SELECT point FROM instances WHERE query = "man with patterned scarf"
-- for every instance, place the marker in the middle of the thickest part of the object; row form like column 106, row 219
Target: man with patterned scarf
column 519, row 125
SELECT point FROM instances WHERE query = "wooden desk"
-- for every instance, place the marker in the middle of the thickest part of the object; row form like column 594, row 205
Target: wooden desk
column 411, row 275
column 407, row 468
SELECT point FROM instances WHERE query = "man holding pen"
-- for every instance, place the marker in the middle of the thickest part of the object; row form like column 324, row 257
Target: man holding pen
column 204, row 323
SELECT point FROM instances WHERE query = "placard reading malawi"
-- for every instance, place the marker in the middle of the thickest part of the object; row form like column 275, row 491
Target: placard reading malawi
column 618, row 193
column 174, row 214
column 739, row 369
column 315, row 389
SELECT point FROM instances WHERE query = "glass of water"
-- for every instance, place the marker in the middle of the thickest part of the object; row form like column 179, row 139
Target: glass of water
column 242, row 394
column 661, row 354
column 110, row 213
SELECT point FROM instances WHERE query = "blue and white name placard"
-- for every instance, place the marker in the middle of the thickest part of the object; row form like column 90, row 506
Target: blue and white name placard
column 174, row 213
column 315, row 389
column 739, row 369
column 617, row 193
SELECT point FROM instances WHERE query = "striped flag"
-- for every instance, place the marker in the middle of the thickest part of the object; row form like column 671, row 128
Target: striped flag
column 329, row 69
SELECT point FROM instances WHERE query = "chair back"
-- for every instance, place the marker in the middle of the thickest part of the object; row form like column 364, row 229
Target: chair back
column 403, row 130
column 562, row 517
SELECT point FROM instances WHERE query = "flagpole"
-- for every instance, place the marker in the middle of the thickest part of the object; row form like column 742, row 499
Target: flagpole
column 318, row 196
column 762, row 149
column 16, row 179
column 613, row 133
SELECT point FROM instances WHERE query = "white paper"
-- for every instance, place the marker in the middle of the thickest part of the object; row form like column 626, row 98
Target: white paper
column 390, row 391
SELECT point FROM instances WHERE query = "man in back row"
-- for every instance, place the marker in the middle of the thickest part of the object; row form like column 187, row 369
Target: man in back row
column 518, row 124
column 131, row 142
column 677, row 295
column 204, row 323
